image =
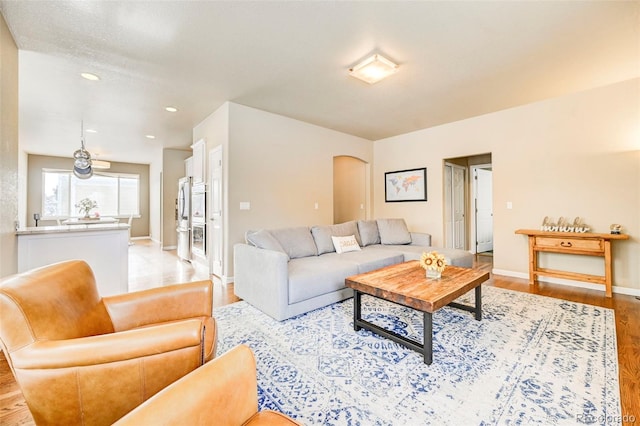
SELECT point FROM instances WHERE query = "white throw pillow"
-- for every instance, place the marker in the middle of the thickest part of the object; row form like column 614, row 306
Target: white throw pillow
column 345, row 244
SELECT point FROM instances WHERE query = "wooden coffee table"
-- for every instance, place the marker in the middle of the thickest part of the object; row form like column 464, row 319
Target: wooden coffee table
column 406, row 284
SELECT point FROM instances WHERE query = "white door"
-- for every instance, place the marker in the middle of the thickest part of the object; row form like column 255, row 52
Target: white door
column 216, row 228
column 484, row 210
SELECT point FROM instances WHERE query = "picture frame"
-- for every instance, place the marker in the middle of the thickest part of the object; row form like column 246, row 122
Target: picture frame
column 405, row 185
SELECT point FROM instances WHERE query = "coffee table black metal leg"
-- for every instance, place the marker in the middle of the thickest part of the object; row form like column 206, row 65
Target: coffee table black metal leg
column 428, row 338
column 356, row 309
column 478, row 310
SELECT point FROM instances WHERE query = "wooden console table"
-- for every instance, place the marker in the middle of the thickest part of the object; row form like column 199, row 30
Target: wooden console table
column 588, row 244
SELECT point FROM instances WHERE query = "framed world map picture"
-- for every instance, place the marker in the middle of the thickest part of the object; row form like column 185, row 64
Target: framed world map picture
column 405, row 185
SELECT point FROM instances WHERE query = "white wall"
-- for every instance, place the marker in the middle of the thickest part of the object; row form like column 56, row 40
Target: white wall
column 215, row 131
column 577, row 155
column 155, row 195
column 279, row 165
column 9, row 160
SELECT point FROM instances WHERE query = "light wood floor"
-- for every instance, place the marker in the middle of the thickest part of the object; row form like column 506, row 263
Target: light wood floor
column 149, row 266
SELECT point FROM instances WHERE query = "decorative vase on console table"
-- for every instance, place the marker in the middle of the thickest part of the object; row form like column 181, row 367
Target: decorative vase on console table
column 433, row 264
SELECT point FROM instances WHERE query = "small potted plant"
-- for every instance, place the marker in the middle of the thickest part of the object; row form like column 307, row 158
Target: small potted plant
column 85, row 206
column 433, row 263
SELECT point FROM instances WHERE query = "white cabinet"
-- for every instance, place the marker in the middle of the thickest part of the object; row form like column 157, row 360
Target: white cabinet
column 198, row 161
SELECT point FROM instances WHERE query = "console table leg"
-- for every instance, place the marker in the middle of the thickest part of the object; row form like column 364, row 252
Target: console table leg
column 608, row 280
column 533, row 260
column 428, row 338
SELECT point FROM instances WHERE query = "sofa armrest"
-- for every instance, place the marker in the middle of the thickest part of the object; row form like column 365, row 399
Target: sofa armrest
column 162, row 304
column 109, row 348
column 261, row 277
column 420, row 239
column 223, row 391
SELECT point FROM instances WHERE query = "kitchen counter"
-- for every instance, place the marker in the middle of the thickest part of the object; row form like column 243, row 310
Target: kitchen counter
column 105, row 247
column 71, row 228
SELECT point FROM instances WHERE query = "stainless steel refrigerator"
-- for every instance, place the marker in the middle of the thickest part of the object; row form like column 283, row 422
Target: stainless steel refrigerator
column 184, row 218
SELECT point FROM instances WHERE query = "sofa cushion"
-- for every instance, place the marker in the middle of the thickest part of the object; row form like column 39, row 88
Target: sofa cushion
column 322, row 235
column 393, row 231
column 264, row 240
column 314, row 276
column 297, row 241
column 368, row 232
column 345, row 244
column 455, row 257
column 367, row 259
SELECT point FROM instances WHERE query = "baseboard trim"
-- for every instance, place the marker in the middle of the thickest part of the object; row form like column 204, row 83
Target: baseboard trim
column 525, row 275
column 170, row 248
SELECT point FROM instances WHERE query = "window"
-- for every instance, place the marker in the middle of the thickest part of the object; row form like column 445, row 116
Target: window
column 117, row 194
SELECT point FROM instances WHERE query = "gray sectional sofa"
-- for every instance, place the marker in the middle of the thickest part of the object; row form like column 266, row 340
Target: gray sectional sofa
column 289, row 271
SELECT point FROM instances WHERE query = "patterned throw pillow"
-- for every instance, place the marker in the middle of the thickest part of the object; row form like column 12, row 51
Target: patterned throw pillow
column 345, row 244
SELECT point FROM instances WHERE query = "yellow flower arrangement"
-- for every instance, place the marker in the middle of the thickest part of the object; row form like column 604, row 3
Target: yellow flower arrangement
column 433, row 260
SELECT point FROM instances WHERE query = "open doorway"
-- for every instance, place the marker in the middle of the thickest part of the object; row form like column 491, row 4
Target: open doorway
column 468, row 203
column 350, row 189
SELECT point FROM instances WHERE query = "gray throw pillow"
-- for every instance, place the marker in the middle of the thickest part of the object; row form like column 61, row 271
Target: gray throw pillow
column 264, row 240
column 393, row 231
column 368, row 232
column 296, row 242
column 322, row 235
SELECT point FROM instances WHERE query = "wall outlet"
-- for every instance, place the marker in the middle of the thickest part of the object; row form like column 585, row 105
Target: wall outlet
column 315, row 206
column 509, row 205
column 245, row 205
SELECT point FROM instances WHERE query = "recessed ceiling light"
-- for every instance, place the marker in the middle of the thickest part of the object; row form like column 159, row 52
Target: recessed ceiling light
column 90, row 76
column 91, row 131
column 171, row 109
column 150, row 136
column 373, row 69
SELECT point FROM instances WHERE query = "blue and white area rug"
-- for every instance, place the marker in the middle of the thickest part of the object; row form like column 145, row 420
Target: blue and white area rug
column 531, row 360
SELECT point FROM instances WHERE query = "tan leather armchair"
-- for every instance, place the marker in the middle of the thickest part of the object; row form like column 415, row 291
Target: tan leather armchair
column 82, row 359
column 223, row 392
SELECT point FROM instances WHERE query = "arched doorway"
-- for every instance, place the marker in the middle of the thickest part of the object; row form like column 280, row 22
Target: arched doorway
column 350, row 189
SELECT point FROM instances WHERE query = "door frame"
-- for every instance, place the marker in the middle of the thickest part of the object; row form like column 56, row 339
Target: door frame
column 213, row 270
column 465, row 207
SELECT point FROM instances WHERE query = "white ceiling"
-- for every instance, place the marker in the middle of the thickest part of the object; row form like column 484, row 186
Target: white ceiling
column 457, row 60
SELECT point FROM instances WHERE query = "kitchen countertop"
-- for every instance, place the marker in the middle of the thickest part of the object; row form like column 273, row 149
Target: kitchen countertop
column 31, row 230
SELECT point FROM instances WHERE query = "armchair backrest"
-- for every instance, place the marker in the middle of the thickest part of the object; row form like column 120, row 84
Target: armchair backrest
column 55, row 302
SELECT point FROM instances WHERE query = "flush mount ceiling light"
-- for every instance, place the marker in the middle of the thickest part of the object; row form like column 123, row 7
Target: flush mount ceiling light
column 149, row 136
column 90, row 76
column 373, row 69
column 171, row 109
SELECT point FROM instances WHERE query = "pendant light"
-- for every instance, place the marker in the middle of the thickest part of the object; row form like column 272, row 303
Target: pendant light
column 82, row 159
